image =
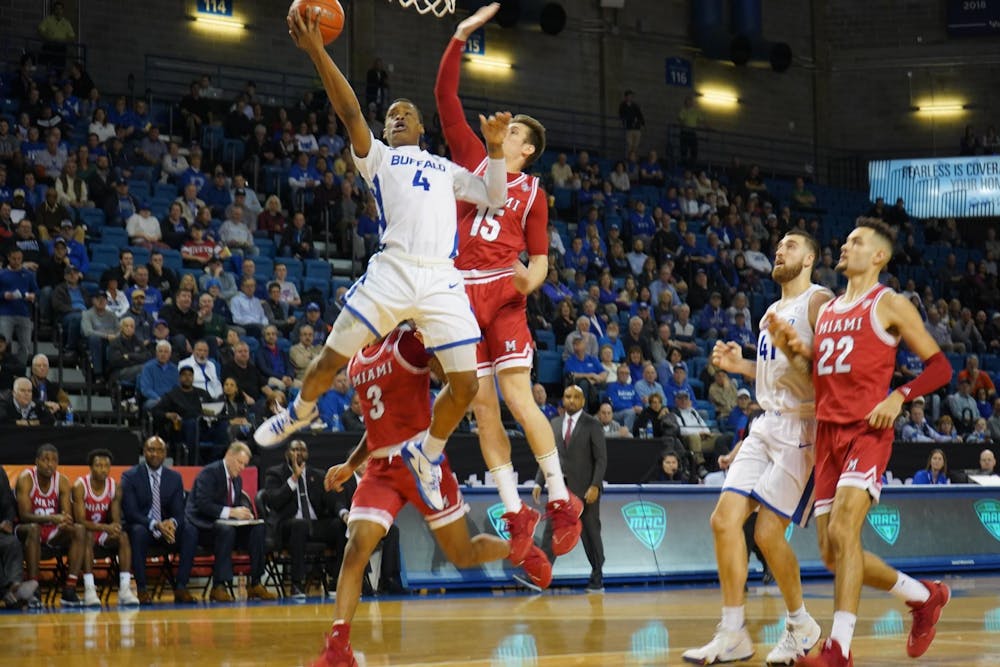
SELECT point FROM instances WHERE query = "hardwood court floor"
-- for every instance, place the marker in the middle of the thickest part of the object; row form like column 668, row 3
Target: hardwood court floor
column 621, row 627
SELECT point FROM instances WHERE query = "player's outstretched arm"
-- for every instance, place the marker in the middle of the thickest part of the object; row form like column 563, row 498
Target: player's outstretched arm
column 896, row 313
column 466, row 149
column 729, row 357
column 307, row 36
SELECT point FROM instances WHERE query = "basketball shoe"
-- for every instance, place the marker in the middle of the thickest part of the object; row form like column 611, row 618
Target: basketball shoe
column 565, row 518
column 795, row 643
column 276, row 429
column 521, row 526
column 925, row 617
column 537, row 566
column 427, row 473
column 726, row 646
column 337, row 651
column 830, row 656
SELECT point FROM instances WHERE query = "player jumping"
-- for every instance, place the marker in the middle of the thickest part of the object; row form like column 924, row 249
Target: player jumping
column 772, row 470
column 490, row 241
column 854, row 353
column 413, row 276
column 391, row 377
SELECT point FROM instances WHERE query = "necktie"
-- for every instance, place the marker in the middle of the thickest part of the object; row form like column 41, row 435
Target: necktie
column 229, row 485
column 303, row 499
column 569, row 430
column 154, row 488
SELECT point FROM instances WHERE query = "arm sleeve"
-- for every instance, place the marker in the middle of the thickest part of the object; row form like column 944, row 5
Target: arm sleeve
column 466, row 148
column 937, row 373
column 368, row 165
column 536, row 223
column 490, row 191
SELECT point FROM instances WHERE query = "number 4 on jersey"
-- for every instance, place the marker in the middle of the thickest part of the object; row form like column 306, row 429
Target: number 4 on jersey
column 419, row 181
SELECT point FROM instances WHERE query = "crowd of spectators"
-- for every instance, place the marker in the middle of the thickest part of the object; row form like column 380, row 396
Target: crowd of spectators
column 204, row 306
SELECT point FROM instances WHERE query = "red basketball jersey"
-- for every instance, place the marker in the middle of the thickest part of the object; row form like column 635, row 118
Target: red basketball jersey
column 393, row 383
column 98, row 508
column 46, row 503
column 853, row 358
column 493, row 238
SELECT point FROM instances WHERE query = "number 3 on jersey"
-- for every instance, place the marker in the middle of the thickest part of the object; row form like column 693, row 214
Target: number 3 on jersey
column 374, row 394
column 486, row 225
column 827, row 347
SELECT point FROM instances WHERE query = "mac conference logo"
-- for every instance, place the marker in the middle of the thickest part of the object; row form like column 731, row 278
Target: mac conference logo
column 647, row 521
column 788, row 536
column 988, row 511
column 495, row 513
column 884, row 520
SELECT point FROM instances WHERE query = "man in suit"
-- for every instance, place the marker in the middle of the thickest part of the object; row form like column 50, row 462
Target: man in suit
column 14, row 591
column 21, row 409
column 300, row 511
column 584, row 456
column 215, row 498
column 153, row 509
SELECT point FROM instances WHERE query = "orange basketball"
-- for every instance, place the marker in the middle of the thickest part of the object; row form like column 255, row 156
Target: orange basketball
column 331, row 17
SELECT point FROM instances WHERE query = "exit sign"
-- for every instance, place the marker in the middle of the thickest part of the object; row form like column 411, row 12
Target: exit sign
column 216, row 7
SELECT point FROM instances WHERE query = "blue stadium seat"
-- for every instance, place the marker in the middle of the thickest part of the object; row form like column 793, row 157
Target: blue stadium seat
column 252, row 343
column 549, row 367
column 265, row 246
column 104, row 253
column 140, row 255
column 232, row 152
column 114, row 236
column 265, row 266
column 165, row 191
column 294, row 266
column 92, row 217
column 139, row 188
column 172, row 259
column 337, row 283
column 318, row 268
column 546, row 338
column 322, row 284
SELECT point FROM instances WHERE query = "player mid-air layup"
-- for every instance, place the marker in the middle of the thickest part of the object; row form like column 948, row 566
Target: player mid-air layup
column 413, row 276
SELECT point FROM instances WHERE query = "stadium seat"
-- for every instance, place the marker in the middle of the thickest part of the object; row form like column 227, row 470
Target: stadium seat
column 549, row 367
column 546, row 339
column 266, row 247
column 104, row 253
column 140, row 255
column 115, row 236
column 165, row 191
column 317, row 268
column 322, row 284
column 294, row 266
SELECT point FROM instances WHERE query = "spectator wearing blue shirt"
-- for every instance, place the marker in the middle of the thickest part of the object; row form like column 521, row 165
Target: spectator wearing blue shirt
column 641, row 222
column 624, row 399
column 302, row 179
column 120, row 205
column 18, row 289
column 69, row 301
column 648, row 385
column 576, row 256
column 541, row 400
column 712, row 320
column 334, row 402
column 936, row 471
column 159, row 375
column 917, row 429
column 216, row 195
column 555, row 290
column 77, row 251
column 664, row 282
column 739, row 416
column 273, row 362
column 741, row 333
column 585, row 371
column 677, row 383
column 612, row 338
column 193, row 175
column 154, row 298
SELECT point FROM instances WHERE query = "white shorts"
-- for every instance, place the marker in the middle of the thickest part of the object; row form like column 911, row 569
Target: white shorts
column 774, row 465
column 398, row 287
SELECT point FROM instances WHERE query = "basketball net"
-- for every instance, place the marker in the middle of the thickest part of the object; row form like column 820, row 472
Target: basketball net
column 436, row 7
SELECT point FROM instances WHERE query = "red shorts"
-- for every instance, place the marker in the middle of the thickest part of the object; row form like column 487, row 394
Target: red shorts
column 854, row 455
column 501, row 312
column 47, row 531
column 388, row 485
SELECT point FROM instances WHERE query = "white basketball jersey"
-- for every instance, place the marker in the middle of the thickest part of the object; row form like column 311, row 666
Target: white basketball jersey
column 772, row 364
column 415, row 192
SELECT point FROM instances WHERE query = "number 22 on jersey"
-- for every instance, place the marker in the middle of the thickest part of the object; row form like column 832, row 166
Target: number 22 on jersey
column 827, row 348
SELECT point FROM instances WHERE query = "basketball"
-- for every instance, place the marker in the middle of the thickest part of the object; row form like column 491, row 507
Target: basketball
column 331, row 18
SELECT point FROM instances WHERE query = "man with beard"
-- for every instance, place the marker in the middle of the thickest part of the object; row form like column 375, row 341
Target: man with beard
column 772, row 470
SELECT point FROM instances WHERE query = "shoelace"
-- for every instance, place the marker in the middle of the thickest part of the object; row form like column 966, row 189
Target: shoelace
column 789, row 641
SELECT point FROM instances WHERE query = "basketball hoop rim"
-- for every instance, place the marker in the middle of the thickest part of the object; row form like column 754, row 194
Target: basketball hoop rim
column 439, row 8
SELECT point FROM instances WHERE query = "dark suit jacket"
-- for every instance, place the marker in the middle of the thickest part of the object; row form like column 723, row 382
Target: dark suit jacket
column 584, row 461
column 210, row 494
column 8, row 504
column 281, row 498
column 9, row 412
column 137, row 498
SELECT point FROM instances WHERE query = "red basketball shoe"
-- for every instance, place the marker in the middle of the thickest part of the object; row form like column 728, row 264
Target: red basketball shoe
column 565, row 518
column 521, row 526
column 337, row 652
column 830, row 656
column 925, row 617
column 538, row 568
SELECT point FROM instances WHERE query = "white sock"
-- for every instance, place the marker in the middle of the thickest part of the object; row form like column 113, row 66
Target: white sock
column 799, row 616
column 733, row 619
column 843, row 630
column 124, row 581
column 88, row 580
column 433, row 447
column 506, row 480
column 909, row 589
column 303, row 407
column 554, row 482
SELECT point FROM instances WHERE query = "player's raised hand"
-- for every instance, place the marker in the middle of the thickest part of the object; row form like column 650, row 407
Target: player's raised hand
column 305, row 31
column 494, row 128
column 476, row 21
column 727, row 356
column 785, row 338
column 336, row 476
